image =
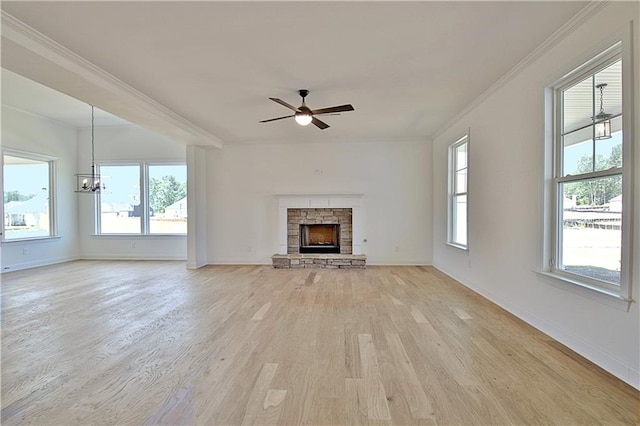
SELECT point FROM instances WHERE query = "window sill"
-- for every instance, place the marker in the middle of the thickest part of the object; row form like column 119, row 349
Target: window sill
column 458, row 246
column 31, row 240
column 139, row 235
column 607, row 297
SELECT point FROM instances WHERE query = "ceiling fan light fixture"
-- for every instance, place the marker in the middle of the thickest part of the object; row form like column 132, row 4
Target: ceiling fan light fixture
column 303, row 118
column 305, row 115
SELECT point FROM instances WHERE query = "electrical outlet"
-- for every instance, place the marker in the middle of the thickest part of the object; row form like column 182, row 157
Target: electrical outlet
column 133, row 244
column 25, row 251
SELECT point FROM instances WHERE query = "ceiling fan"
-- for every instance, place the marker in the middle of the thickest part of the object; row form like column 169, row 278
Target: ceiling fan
column 304, row 115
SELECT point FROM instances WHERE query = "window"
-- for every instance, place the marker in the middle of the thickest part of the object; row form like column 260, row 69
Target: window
column 143, row 199
column 590, row 176
column 28, row 196
column 167, row 199
column 458, row 167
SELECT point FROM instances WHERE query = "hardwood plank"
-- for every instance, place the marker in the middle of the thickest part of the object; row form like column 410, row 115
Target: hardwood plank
column 259, row 395
column 461, row 313
column 412, row 390
column 418, row 316
column 395, row 301
column 377, row 408
column 356, row 402
column 259, row 315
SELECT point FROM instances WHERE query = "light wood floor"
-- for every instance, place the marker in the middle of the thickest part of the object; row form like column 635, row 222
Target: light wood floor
column 94, row 342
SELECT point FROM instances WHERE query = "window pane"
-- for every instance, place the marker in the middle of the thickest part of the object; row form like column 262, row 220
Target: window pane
column 609, row 151
column 578, row 106
column 168, row 199
column 459, row 217
column 461, row 181
column 26, row 198
column 120, row 201
column 461, row 156
column 591, row 228
column 612, row 93
column 578, row 152
column 580, row 103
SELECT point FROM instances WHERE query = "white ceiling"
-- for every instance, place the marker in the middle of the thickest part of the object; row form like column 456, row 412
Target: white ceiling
column 407, row 67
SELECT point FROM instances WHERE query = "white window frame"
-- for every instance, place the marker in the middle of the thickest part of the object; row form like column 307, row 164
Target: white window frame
column 144, row 198
column 617, row 47
column 53, row 222
column 453, row 193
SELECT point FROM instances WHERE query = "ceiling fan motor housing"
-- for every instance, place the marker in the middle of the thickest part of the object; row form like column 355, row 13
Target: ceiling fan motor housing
column 303, row 109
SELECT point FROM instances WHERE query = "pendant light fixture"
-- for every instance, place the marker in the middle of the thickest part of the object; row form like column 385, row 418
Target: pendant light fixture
column 602, row 121
column 90, row 183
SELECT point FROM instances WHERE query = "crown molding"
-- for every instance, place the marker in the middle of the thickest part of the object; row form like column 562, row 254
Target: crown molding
column 327, row 141
column 64, row 123
column 39, row 116
column 28, row 38
column 569, row 27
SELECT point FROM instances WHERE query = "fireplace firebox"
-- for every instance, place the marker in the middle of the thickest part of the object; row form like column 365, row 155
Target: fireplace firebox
column 319, row 238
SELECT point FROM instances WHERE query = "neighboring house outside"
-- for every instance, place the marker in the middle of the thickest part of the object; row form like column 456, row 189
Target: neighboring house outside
column 30, row 213
column 116, row 209
column 570, row 203
column 177, row 210
column 615, row 204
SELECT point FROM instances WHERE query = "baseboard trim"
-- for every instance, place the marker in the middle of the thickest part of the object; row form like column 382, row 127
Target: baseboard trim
column 121, row 257
column 37, row 264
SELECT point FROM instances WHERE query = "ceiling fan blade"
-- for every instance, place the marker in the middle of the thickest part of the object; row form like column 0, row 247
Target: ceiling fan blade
column 319, row 124
column 340, row 108
column 274, row 119
column 284, row 104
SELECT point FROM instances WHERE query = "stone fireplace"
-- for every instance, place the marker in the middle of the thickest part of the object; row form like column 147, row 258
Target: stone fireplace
column 332, row 226
column 322, row 231
column 314, row 204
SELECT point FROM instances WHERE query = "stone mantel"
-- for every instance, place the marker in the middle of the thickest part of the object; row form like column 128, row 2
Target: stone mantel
column 312, row 201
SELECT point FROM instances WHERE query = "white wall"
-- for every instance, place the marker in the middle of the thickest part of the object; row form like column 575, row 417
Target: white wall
column 197, row 241
column 117, row 144
column 506, row 169
column 395, row 178
column 31, row 133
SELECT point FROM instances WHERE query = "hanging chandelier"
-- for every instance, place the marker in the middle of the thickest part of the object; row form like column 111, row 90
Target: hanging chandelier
column 90, row 183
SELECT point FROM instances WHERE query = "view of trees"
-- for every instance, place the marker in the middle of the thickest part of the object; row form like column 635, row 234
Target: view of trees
column 165, row 191
column 16, row 196
column 596, row 192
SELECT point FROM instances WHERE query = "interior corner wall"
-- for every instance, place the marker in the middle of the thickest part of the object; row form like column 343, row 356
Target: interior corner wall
column 197, row 224
column 120, row 144
column 505, row 206
column 394, row 178
column 31, row 133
